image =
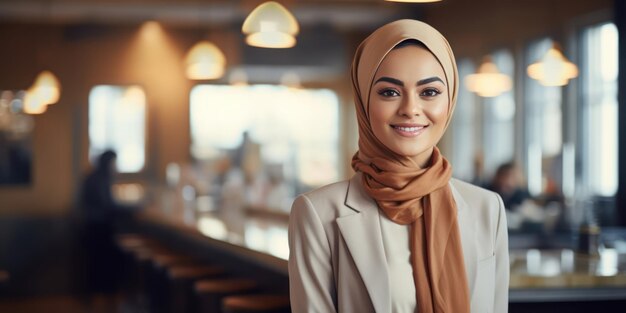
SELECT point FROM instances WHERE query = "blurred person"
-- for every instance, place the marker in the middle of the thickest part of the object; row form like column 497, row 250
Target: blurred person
column 100, row 211
column 508, row 183
column 401, row 235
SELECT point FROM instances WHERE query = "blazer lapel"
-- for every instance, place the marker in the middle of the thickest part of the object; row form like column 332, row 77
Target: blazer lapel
column 362, row 234
column 466, row 230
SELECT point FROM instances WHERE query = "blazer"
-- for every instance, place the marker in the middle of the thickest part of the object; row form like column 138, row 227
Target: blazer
column 337, row 261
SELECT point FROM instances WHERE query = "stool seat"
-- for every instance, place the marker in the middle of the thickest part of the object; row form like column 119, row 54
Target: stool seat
column 194, row 271
column 224, row 285
column 166, row 260
column 148, row 253
column 256, row 303
column 130, row 241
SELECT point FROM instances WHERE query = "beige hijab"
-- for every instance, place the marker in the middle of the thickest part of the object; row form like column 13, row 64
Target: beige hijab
column 406, row 193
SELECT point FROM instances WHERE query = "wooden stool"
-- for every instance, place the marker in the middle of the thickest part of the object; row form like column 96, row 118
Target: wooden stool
column 166, row 260
column 211, row 292
column 181, row 278
column 152, row 281
column 156, row 262
column 256, row 304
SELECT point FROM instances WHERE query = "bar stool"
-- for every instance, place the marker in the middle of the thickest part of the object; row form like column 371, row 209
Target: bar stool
column 150, row 282
column 157, row 262
column 181, row 279
column 256, row 304
column 211, row 292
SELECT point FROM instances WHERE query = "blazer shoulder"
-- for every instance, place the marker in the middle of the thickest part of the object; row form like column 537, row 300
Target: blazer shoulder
column 326, row 201
column 477, row 197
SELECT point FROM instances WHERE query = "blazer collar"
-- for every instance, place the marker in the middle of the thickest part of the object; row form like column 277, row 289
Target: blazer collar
column 361, row 232
column 360, row 229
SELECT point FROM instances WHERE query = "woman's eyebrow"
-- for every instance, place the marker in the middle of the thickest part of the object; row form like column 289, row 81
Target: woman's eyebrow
column 390, row 80
column 429, row 80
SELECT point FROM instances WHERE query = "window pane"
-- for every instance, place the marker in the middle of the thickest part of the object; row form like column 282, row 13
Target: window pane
column 294, row 129
column 117, row 121
column 600, row 64
column 543, row 127
column 499, row 117
column 463, row 128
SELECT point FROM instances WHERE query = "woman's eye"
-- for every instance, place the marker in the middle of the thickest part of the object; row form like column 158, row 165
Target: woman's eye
column 389, row 93
column 430, row 92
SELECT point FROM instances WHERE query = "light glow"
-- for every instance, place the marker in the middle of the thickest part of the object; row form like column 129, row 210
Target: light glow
column 271, row 25
column 553, row 69
column 205, row 61
column 488, row 81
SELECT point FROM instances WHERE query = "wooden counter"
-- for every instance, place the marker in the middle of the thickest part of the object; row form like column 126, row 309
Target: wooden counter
column 260, row 237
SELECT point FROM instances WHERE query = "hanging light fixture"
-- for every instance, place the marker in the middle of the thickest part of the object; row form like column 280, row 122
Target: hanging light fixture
column 553, row 69
column 33, row 102
column 271, row 25
column 205, row 61
column 46, row 88
column 488, row 81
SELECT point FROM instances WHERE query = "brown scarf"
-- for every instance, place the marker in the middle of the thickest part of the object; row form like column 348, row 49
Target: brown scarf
column 406, row 193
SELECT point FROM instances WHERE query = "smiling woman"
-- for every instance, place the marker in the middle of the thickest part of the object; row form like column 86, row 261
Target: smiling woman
column 401, row 232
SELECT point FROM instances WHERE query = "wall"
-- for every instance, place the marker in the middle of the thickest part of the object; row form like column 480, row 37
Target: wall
column 86, row 55
column 83, row 56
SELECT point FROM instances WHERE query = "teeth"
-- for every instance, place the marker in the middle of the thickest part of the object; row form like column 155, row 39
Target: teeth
column 408, row 129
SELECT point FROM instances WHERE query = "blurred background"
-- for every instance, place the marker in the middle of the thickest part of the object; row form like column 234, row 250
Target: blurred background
column 133, row 131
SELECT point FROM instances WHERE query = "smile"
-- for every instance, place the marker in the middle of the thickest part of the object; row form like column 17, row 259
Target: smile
column 409, row 130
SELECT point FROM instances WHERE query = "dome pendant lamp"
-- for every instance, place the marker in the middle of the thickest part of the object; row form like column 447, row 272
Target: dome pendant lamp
column 553, row 69
column 205, row 61
column 488, row 81
column 271, row 25
column 47, row 87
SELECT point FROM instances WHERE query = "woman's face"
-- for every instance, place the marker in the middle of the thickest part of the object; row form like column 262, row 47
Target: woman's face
column 409, row 103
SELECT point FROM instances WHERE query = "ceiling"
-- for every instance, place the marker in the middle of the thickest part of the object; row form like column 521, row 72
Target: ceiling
column 344, row 14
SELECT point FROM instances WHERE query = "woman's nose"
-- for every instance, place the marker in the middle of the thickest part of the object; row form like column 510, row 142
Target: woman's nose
column 410, row 106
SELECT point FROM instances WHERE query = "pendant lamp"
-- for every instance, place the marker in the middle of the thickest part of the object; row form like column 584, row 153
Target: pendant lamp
column 488, row 81
column 271, row 25
column 47, row 88
column 33, row 102
column 205, row 61
column 553, row 69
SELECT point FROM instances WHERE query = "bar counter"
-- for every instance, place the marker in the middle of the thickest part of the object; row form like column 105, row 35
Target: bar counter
column 260, row 237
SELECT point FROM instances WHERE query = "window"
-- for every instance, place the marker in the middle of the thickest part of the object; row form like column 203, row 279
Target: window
column 499, row 120
column 463, row 126
column 117, row 121
column 543, row 128
column 294, row 130
column 599, row 110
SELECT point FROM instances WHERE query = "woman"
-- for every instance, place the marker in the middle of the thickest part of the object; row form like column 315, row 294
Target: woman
column 401, row 235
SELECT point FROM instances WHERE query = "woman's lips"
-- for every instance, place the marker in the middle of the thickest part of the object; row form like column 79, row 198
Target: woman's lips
column 409, row 130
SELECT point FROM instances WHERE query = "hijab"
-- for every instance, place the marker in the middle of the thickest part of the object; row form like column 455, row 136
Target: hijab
column 406, row 193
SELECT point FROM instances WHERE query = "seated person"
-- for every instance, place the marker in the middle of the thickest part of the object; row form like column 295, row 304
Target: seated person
column 507, row 183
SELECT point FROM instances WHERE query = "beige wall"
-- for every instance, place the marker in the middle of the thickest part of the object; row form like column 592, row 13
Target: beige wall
column 111, row 55
column 107, row 55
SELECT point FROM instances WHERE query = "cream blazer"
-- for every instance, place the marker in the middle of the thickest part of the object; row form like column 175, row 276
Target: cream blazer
column 337, row 260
